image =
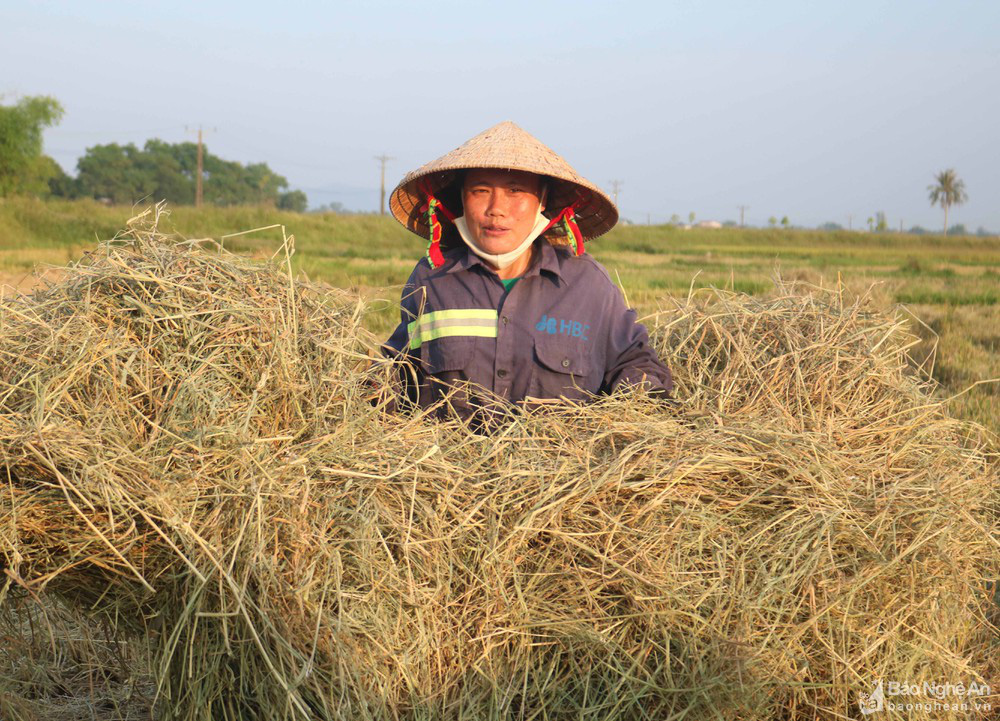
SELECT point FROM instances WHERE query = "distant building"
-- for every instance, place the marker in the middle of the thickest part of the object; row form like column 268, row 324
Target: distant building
column 709, row 224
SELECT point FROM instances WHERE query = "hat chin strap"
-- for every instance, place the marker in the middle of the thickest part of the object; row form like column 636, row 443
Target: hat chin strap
column 502, row 260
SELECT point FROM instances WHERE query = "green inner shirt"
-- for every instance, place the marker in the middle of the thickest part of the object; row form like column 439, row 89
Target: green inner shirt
column 508, row 283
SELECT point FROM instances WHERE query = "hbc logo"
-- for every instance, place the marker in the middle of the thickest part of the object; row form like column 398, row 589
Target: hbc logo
column 572, row 328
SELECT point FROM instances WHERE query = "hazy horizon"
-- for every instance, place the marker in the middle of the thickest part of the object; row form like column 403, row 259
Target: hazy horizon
column 817, row 112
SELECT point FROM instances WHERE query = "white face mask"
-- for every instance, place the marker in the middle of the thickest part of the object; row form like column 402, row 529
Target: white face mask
column 503, row 260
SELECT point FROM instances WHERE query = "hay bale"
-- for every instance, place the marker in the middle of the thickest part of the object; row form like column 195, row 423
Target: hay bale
column 188, row 441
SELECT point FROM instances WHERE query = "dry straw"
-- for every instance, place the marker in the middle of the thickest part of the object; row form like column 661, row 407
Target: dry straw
column 190, row 452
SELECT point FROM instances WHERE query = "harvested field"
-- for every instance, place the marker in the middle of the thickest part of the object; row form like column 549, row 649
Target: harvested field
column 198, row 461
column 945, row 281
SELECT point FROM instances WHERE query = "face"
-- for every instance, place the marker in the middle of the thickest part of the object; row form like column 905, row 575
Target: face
column 500, row 207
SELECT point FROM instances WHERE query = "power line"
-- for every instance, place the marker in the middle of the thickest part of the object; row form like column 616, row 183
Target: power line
column 61, row 132
column 274, row 160
column 337, row 190
column 383, row 159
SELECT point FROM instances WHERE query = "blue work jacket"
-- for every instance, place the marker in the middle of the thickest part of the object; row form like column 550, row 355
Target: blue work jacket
column 562, row 331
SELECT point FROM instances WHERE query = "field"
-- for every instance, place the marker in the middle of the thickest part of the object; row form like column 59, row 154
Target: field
column 948, row 286
column 200, row 475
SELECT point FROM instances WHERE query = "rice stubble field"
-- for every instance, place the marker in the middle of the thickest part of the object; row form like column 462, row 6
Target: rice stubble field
column 947, row 287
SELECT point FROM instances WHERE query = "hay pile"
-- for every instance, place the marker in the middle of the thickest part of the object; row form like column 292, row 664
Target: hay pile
column 189, row 449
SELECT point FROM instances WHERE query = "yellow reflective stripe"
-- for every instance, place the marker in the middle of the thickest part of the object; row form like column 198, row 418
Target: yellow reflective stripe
column 454, row 330
column 479, row 313
column 454, row 314
column 424, row 326
column 474, row 322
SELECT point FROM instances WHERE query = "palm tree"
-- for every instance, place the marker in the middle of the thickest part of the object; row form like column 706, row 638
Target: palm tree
column 949, row 191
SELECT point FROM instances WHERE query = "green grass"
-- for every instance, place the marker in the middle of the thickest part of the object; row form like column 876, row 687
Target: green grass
column 951, row 283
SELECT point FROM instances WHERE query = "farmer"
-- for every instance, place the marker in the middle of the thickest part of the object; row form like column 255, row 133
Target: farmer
column 506, row 306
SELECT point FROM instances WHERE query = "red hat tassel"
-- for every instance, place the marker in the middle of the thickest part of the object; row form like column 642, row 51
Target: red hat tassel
column 434, row 255
column 573, row 230
column 567, row 216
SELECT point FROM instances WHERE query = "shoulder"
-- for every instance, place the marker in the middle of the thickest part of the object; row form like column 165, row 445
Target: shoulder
column 584, row 269
column 420, row 272
column 424, row 273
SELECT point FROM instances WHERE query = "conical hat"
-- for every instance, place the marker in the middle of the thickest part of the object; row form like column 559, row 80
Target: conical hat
column 503, row 146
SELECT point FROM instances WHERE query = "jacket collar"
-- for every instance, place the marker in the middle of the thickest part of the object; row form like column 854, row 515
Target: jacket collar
column 546, row 260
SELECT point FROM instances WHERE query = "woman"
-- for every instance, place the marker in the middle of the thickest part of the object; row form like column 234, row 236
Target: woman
column 506, row 306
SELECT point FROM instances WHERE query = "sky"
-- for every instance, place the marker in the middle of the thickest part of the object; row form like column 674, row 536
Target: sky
column 818, row 111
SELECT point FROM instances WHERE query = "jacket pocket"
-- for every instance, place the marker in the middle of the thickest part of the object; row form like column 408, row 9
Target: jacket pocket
column 563, row 367
column 447, row 355
column 448, row 365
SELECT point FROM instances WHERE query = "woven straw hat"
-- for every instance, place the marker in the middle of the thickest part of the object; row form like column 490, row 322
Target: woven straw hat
column 510, row 147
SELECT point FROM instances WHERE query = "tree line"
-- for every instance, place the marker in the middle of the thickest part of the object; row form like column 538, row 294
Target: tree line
column 125, row 174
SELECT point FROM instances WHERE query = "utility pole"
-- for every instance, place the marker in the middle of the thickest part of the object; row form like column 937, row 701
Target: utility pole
column 742, row 208
column 200, row 172
column 201, row 166
column 849, row 219
column 616, row 186
column 383, row 159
